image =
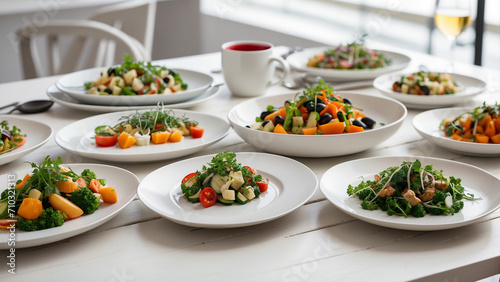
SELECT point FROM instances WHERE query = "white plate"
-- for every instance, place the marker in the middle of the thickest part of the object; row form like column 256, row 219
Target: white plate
column 382, row 110
column 37, row 134
column 469, row 87
column 161, row 192
column 124, row 181
column 77, row 138
column 72, row 84
column 427, row 125
column 62, row 99
column 481, row 183
column 299, row 61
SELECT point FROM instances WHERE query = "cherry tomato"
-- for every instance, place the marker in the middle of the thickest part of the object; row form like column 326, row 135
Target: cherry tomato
column 345, row 64
column 187, row 177
column 208, row 197
column 253, row 171
column 106, row 141
column 196, row 131
column 263, row 185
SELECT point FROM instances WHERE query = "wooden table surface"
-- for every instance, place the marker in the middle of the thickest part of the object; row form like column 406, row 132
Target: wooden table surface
column 316, row 242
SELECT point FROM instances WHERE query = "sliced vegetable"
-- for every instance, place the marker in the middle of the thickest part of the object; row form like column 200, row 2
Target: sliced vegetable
column 108, row 194
column 64, row 205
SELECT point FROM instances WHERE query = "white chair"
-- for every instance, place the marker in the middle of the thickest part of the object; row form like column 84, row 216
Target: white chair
column 61, row 55
column 135, row 18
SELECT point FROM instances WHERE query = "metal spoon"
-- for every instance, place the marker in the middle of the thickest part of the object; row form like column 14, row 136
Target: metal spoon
column 32, row 107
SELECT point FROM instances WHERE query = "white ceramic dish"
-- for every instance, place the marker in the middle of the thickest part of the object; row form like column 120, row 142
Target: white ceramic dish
column 77, row 138
column 37, row 134
column 383, row 110
column 126, row 184
column 72, row 84
column 482, row 184
column 298, row 61
column 64, row 100
column 161, row 192
column 468, row 88
column 427, row 125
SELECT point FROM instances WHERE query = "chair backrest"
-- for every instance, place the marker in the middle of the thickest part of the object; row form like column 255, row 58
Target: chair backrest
column 135, row 18
column 80, row 54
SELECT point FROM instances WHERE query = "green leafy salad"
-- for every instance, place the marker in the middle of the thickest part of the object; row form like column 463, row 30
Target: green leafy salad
column 411, row 189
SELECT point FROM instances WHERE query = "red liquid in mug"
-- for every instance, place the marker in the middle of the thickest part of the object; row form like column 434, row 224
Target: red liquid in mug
column 248, row 47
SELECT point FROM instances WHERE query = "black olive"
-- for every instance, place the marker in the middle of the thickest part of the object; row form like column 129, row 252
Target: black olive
column 264, row 114
column 166, row 79
column 347, row 101
column 357, row 122
column 340, row 116
column 326, row 118
column 425, row 89
column 309, row 106
column 279, row 119
column 320, row 107
column 248, row 126
column 287, row 104
column 111, row 71
column 107, row 90
column 369, row 122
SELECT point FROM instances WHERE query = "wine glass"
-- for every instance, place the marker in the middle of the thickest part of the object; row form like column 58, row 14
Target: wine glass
column 452, row 17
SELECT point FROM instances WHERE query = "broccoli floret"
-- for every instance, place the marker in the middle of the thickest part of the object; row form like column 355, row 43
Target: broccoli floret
column 457, row 206
column 439, row 196
column 418, row 211
column 88, row 175
column 85, row 199
column 48, row 218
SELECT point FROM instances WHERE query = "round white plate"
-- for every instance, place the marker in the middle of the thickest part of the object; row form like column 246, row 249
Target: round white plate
column 161, row 192
column 37, row 134
column 476, row 181
column 469, row 87
column 72, row 84
column 299, row 61
column 383, row 110
column 77, row 138
column 427, row 125
column 126, row 185
column 64, row 100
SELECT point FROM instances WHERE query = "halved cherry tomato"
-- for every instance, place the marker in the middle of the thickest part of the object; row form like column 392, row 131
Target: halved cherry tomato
column 253, row 171
column 208, row 197
column 106, row 141
column 196, row 131
column 263, row 185
column 187, row 177
column 7, row 223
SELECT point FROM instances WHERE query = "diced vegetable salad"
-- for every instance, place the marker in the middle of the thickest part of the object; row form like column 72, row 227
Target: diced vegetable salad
column 350, row 56
column 426, row 83
column 411, row 189
column 11, row 137
column 157, row 126
column 481, row 125
column 315, row 111
column 223, row 180
column 136, row 78
column 51, row 195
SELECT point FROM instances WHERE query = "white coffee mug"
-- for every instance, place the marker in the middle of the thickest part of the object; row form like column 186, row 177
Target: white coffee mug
column 248, row 67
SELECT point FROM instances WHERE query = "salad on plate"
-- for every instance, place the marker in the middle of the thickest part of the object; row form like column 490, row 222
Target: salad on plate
column 315, row 111
column 51, row 195
column 136, row 78
column 481, row 125
column 426, row 83
column 157, row 126
column 412, row 189
column 11, row 138
column 223, row 180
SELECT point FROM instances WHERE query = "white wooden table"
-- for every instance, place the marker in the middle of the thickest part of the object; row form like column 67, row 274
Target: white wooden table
column 317, row 242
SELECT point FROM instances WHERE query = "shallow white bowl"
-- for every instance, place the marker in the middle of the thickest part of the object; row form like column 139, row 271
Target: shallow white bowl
column 427, row 125
column 383, row 110
column 299, row 61
column 468, row 88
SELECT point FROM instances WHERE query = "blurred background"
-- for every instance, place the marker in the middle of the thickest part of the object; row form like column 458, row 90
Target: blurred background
column 189, row 27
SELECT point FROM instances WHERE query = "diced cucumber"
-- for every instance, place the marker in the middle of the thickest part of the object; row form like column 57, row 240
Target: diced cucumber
column 228, row 194
column 195, row 198
column 217, row 182
column 224, row 201
column 240, row 199
column 311, row 120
